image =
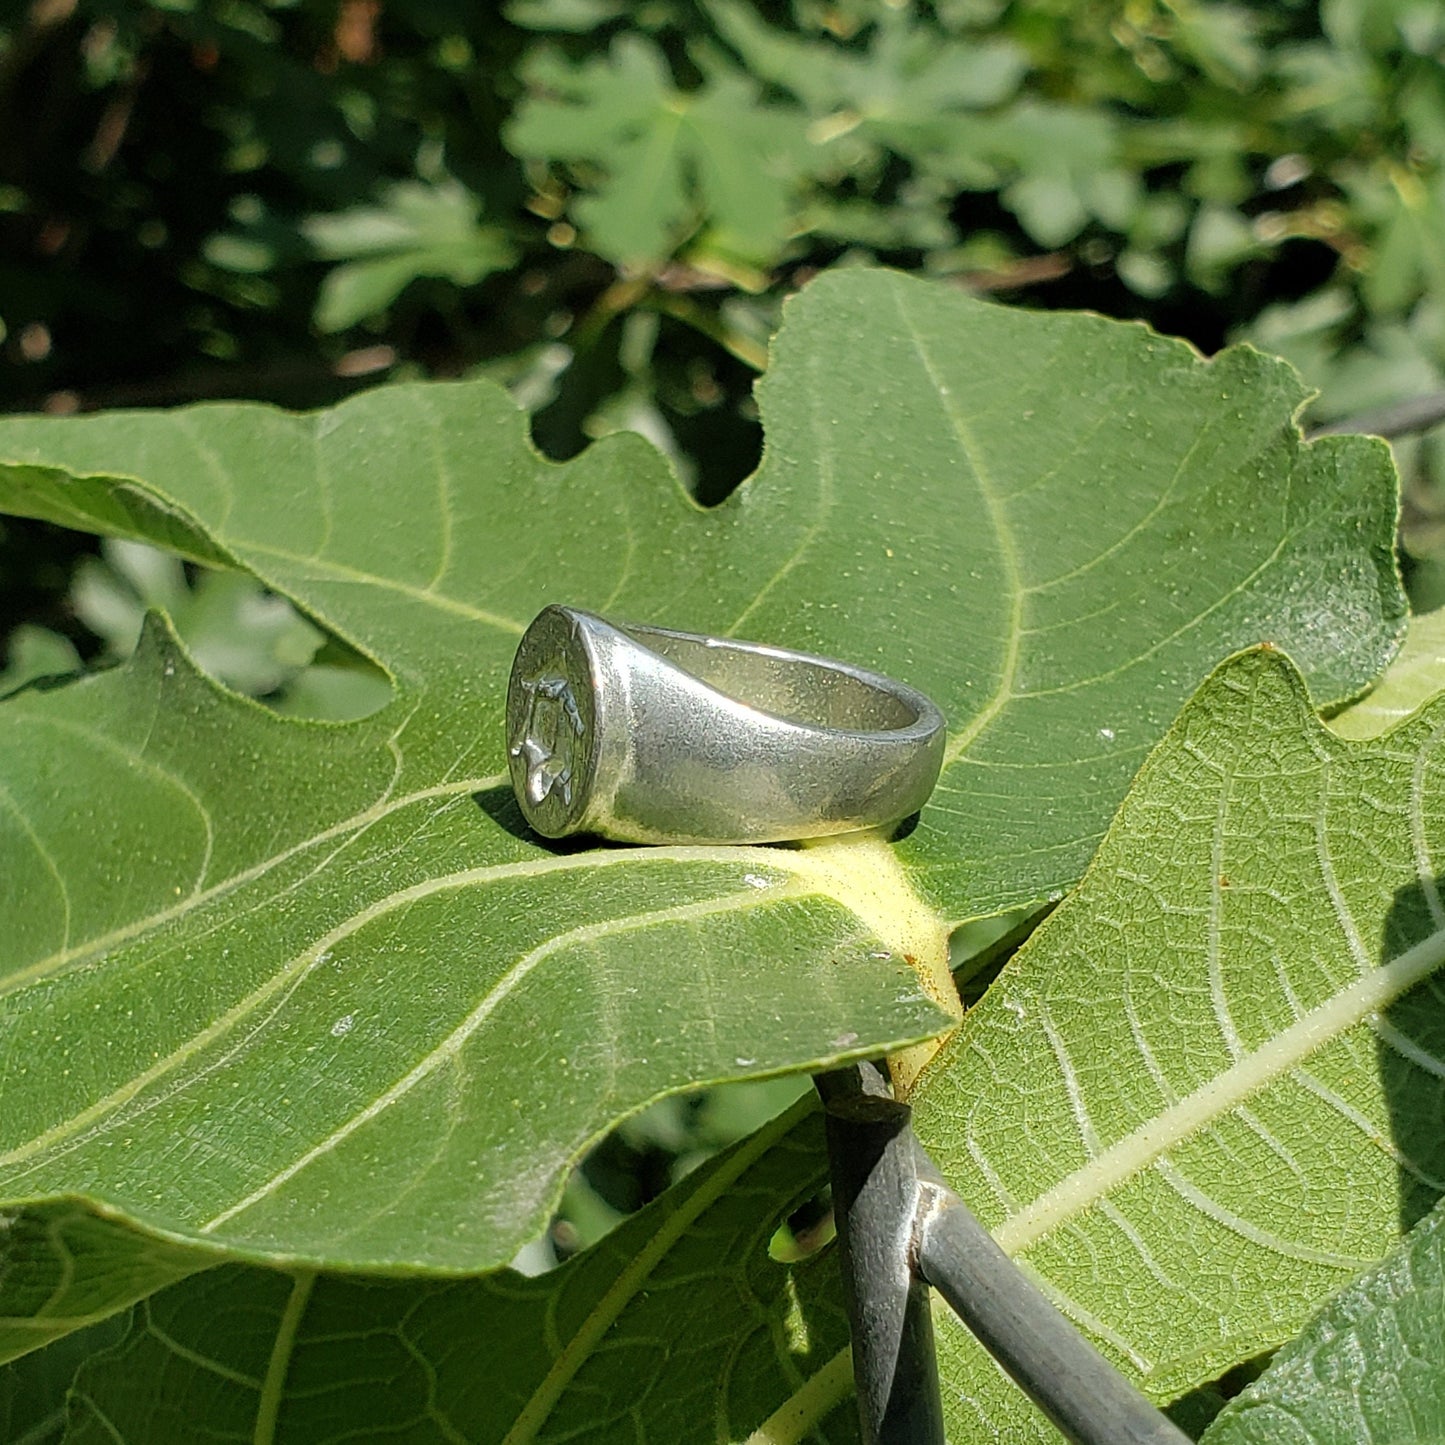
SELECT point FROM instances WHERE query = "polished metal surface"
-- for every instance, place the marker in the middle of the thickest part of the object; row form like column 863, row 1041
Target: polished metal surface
column 647, row 735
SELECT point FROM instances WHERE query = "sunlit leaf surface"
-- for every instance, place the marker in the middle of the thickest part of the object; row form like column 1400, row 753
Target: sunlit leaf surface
column 1207, row 1092
column 1370, row 1368
column 310, row 992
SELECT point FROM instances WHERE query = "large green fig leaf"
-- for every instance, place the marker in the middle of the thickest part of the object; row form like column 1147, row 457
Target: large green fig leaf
column 1054, row 524
column 1206, row 1092
column 1369, row 1370
column 381, row 1023
column 309, row 991
column 678, row 1327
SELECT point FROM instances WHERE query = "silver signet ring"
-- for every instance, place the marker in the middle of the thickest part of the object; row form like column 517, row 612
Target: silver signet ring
column 647, row 735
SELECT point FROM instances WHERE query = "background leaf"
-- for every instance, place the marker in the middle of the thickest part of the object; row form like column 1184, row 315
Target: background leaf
column 1206, row 1092
column 669, row 159
column 1370, row 1368
column 37, row 652
column 416, row 230
column 677, row 1327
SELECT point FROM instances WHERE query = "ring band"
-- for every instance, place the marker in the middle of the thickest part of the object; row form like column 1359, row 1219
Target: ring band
column 647, row 735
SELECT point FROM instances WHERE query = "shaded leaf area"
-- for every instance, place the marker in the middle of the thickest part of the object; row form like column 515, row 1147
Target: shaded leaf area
column 62, row 1269
column 33, row 1390
column 1369, row 1368
column 1053, row 524
column 1207, row 1091
column 677, row 1327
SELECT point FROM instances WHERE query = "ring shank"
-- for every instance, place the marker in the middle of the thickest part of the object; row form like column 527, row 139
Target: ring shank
column 692, row 739
column 802, row 689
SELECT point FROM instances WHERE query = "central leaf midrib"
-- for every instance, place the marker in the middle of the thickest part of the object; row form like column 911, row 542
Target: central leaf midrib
column 1003, row 533
column 1248, row 1075
column 805, row 870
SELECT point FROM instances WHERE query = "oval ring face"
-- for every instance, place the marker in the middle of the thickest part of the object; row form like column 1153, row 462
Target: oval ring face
column 647, row 735
column 552, row 724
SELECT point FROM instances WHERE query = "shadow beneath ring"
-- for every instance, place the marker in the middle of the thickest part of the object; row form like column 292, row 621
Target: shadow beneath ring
column 500, row 805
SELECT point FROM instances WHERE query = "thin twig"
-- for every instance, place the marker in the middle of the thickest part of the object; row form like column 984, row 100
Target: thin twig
column 1399, row 419
column 875, row 1201
column 899, row 1226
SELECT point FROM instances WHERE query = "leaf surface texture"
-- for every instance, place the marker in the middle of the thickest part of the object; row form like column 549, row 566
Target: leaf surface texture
column 1206, row 1092
column 309, row 992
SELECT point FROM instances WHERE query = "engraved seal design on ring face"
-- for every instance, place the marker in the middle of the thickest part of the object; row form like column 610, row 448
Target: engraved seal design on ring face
column 550, row 723
column 645, row 734
column 547, row 733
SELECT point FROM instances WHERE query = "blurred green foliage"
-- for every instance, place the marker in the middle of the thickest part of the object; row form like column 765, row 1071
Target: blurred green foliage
column 290, row 198
column 602, row 205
